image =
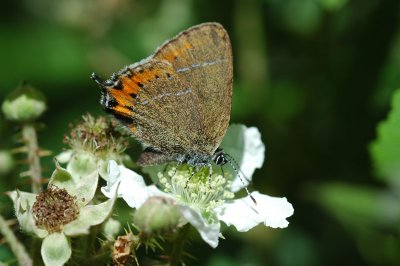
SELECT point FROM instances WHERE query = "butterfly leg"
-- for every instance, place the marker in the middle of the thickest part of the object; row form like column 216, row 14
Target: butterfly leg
column 211, row 172
column 177, row 165
column 165, row 168
column 195, row 171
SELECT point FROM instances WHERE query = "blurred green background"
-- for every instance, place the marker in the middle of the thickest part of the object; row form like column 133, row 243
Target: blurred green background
column 315, row 76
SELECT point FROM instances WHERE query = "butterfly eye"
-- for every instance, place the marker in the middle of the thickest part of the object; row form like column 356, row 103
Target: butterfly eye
column 220, row 159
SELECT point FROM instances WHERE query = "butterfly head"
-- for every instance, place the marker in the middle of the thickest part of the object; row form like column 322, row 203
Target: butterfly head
column 220, row 157
column 107, row 100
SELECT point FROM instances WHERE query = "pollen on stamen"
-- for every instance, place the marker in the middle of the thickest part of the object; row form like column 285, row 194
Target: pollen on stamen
column 195, row 188
column 54, row 208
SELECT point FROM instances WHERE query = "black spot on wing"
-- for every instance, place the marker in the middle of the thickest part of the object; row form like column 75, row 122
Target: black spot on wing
column 124, row 119
column 118, row 85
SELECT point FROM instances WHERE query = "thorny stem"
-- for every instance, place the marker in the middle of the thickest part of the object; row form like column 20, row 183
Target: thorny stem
column 179, row 244
column 102, row 254
column 17, row 248
column 30, row 138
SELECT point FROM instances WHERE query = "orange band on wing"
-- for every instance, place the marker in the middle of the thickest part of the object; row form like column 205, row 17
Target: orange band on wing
column 120, row 97
column 173, row 53
column 129, row 86
column 123, row 111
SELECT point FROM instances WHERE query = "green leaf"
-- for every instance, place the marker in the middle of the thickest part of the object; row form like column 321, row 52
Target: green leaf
column 385, row 150
column 56, row 249
column 357, row 206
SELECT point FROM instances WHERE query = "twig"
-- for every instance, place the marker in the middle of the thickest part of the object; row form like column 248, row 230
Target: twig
column 35, row 171
column 17, row 248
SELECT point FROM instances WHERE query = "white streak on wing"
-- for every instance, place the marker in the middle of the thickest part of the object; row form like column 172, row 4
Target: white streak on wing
column 167, row 94
column 183, row 92
column 184, row 69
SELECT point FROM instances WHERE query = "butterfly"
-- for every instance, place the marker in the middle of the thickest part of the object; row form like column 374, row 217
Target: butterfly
column 177, row 102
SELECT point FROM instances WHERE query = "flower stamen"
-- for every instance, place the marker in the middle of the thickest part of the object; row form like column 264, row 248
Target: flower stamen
column 199, row 190
column 54, row 208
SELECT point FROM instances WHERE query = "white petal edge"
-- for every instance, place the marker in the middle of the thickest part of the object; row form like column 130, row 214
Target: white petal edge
column 132, row 187
column 253, row 157
column 65, row 156
column 23, row 202
column 244, row 144
column 208, row 232
column 244, row 214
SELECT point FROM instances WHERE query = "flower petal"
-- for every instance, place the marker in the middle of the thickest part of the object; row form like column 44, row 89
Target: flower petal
column 82, row 164
column 65, row 156
column 244, row 214
column 61, row 178
column 23, row 202
column 245, row 146
column 132, row 187
column 89, row 215
column 56, row 249
column 83, row 188
column 208, row 232
column 86, row 188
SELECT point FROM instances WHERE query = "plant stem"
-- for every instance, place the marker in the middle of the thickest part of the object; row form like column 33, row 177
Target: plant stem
column 102, row 255
column 30, row 138
column 17, row 248
column 179, row 244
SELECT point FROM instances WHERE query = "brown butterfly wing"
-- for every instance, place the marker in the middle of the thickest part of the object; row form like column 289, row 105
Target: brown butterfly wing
column 179, row 100
column 202, row 56
column 157, row 106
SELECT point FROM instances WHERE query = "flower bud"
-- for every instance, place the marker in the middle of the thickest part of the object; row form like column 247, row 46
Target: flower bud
column 6, row 162
column 24, row 104
column 124, row 249
column 111, row 228
column 157, row 215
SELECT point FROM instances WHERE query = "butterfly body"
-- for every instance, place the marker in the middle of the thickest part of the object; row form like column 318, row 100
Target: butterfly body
column 177, row 102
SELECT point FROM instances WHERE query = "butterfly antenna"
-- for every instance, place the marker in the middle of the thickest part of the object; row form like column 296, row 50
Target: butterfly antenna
column 236, row 168
column 97, row 79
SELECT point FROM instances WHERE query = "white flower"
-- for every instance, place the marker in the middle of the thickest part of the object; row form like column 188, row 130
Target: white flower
column 205, row 201
column 70, row 196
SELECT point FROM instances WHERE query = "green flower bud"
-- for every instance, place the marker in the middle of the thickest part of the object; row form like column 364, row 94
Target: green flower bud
column 157, row 215
column 111, row 228
column 6, row 162
column 24, row 104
